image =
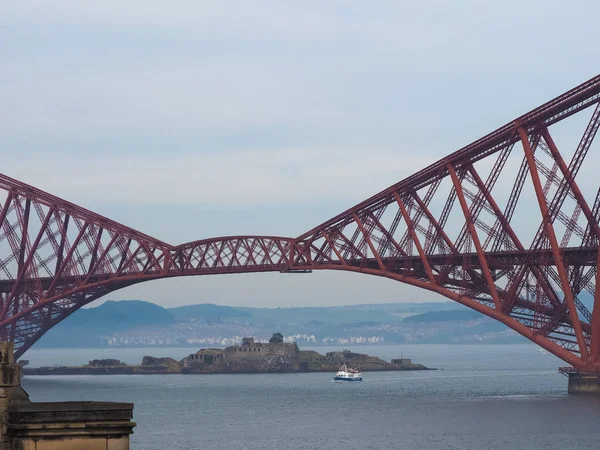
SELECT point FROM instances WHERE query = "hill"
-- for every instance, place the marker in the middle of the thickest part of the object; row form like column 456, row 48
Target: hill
column 386, row 313
column 444, row 316
column 122, row 315
column 88, row 327
column 207, row 312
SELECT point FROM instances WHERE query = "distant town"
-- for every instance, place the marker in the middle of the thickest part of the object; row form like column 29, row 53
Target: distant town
column 150, row 339
column 135, row 323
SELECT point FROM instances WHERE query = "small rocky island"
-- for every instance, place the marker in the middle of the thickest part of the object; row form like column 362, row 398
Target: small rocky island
column 274, row 356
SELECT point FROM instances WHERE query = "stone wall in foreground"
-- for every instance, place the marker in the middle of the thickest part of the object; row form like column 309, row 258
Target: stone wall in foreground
column 28, row 425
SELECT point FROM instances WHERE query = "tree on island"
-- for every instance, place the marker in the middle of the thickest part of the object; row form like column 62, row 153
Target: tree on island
column 277, row 338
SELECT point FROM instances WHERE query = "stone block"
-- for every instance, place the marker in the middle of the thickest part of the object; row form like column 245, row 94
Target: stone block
column 75, row 443
column 10, row 375
column 118, row 443
column 6, row 353
column 29, row 445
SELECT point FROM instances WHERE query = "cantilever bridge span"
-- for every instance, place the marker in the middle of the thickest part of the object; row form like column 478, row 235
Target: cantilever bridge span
column 507, row 225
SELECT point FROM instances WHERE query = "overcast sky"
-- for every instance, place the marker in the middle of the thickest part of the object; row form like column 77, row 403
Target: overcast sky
column 192, row 119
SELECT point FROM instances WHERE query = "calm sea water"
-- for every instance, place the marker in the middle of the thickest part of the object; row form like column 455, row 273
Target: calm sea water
column 486, row 397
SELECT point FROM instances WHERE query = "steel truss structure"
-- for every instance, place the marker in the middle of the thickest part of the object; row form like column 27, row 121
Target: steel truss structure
column 502, row 226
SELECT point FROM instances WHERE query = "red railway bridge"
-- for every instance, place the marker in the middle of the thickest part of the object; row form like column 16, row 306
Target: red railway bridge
column 503, row 226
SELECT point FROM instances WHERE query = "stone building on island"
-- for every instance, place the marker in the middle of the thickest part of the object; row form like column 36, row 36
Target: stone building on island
column 248, row 350
column 278, row 356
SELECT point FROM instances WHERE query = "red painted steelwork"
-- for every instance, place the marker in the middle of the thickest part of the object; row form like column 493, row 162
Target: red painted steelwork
column 56, row 257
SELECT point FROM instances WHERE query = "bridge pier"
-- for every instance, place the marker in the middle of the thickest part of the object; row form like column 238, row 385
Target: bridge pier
column 584, row 383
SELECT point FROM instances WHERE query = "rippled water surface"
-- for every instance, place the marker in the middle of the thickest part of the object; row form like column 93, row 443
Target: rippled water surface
column 486, row 397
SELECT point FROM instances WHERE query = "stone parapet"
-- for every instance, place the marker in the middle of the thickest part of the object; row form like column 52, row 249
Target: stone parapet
column 70, row 425
column 28, row 425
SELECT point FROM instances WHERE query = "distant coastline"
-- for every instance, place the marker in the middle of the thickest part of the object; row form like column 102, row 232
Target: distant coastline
column 249, row 357
column 140, row 324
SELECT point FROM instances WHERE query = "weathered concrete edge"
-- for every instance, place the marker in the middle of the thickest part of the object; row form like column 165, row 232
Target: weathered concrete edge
column 584, row 383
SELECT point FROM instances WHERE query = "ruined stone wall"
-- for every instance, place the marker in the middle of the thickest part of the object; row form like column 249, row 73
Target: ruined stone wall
column 209, row 355
column 255, row 351
column 260, row 350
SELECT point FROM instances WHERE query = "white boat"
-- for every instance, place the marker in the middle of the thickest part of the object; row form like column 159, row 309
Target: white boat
column 346, row 374
column 543, row 351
